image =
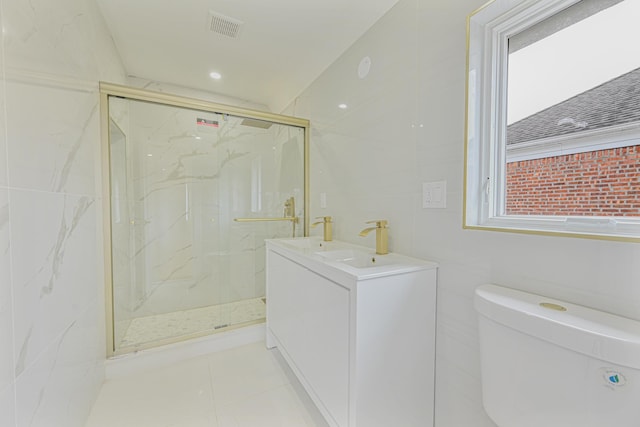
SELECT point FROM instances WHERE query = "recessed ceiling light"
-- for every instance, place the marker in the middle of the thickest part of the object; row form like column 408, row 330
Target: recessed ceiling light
column 215, row 75
column 343, row 106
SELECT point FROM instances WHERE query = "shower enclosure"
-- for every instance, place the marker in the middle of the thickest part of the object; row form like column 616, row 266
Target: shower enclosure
column 194, row 190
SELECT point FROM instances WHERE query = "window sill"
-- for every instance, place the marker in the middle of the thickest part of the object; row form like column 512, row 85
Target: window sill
column 600, row 228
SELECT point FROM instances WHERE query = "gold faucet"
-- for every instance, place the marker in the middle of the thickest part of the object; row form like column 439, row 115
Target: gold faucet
column 382, row 236
column 328, row 227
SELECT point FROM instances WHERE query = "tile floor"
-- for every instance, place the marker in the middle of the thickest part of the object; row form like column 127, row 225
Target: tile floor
column 164, row 326
column 247, row 386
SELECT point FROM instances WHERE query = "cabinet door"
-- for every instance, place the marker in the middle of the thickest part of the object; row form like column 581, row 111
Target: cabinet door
column 309, row 315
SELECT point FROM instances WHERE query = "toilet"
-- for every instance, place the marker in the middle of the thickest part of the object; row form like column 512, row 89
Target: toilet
column 548, row 363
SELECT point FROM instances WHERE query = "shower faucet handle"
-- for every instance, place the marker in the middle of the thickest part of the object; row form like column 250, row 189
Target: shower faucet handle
column 290, row 207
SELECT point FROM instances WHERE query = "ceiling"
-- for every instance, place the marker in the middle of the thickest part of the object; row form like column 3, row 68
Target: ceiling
column 281, row 47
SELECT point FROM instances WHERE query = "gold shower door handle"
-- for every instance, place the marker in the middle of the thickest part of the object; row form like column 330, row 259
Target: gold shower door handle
column 293, row 219
column 289, row 215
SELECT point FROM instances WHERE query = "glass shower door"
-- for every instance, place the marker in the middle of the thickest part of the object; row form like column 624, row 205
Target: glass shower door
column 194, row 194
column 262, row 178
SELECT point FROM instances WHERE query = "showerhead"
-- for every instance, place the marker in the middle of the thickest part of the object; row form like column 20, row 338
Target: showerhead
column 256, row 123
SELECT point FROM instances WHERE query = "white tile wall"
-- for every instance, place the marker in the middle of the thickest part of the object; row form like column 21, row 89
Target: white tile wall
column 68, row 121
column 59, row 388
column 65, row 38
column 6, row 312
column 405, row 126
column 7, row 389
column 7, row 407
column 54, row 266
column 51, row 303
column 3, row 127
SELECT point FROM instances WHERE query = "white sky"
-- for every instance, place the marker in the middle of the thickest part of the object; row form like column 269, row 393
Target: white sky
column 574, row 59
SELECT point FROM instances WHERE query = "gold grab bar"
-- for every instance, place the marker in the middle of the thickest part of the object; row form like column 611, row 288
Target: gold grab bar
column 293, row 219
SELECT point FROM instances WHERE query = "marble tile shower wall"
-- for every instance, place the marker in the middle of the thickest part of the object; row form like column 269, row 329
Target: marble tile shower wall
column 51, row 304
column 405, row 126
column 186, row 185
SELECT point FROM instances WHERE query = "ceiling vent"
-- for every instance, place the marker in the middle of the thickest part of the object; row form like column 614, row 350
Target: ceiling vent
column 221, row 24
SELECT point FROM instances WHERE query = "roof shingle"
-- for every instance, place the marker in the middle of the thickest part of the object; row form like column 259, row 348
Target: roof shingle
column 614, row 102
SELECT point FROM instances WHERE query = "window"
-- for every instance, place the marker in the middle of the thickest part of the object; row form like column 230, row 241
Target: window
column 553, row 118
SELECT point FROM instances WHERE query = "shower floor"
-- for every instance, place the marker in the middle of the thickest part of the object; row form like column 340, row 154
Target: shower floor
column 160, row 327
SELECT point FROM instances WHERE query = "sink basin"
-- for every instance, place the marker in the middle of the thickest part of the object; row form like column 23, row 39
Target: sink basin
column 308, row 243
column 341, row 254
column 356, row 258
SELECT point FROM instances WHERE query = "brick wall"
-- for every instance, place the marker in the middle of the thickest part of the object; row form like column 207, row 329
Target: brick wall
column 597, row 183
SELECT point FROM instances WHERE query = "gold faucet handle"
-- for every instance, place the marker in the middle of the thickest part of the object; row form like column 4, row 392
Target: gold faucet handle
column 290, row 207
column 380, row 223
column 324, row 218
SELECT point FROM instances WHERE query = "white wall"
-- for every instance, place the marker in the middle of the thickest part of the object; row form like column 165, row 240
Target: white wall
column 405, row 126
column 51, row 279
column 188, row 92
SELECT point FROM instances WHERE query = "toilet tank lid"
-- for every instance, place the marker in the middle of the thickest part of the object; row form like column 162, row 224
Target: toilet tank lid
column 594, row 333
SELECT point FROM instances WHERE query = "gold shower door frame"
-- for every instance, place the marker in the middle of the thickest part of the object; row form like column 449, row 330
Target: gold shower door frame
column 107, row 90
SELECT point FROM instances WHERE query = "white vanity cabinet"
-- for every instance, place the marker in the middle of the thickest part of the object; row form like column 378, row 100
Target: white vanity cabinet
column 361, row 340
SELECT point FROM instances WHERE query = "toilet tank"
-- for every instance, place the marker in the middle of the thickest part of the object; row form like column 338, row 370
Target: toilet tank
column 550, row 363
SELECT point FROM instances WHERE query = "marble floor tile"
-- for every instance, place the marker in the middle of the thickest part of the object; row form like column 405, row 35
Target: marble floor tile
column 248, row 386
column 177, row 396
column 245, row 371
column 278, row 407
column 188, row 322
